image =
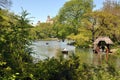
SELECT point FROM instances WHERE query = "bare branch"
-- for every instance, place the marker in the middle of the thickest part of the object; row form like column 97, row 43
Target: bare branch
column 5, row 3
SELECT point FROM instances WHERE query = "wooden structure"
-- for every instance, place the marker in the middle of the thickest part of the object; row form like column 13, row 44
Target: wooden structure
column 102, row 43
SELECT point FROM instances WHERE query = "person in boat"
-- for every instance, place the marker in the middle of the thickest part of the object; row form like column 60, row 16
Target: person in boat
column 65, row 51
column 103, row 48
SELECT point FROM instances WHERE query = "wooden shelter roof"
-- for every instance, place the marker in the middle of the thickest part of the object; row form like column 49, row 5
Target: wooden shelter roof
column 102, row 38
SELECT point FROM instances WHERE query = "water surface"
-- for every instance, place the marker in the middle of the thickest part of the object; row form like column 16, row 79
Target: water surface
column 44, row 49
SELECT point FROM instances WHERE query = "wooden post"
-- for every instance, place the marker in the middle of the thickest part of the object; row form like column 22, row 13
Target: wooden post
column 107, row 52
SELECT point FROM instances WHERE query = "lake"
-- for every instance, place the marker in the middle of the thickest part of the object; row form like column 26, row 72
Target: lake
column 45, row 49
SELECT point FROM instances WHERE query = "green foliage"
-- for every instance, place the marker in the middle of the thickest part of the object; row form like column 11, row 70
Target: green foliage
column 101, row 23
column 53, row 69
column 117, row 52
column 73, row 23
column 43, row 31
column 74, row 69
column 14, row 43
column 72, row 13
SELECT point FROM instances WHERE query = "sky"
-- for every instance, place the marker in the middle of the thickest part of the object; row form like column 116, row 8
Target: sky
column 40, row 9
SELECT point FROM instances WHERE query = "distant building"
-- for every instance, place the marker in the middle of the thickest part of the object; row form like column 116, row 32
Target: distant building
column 49, row 20
column 38, row 22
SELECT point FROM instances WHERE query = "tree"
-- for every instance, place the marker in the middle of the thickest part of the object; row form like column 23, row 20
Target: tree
column 44, row 30
column 5, row 3
column 72, row 13
column 14, row 41
column 111, row 6
column 101, row 23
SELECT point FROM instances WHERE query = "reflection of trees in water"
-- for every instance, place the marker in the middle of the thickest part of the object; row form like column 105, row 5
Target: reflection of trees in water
column 85, row 54
column 99, row 59
column 53, row 49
